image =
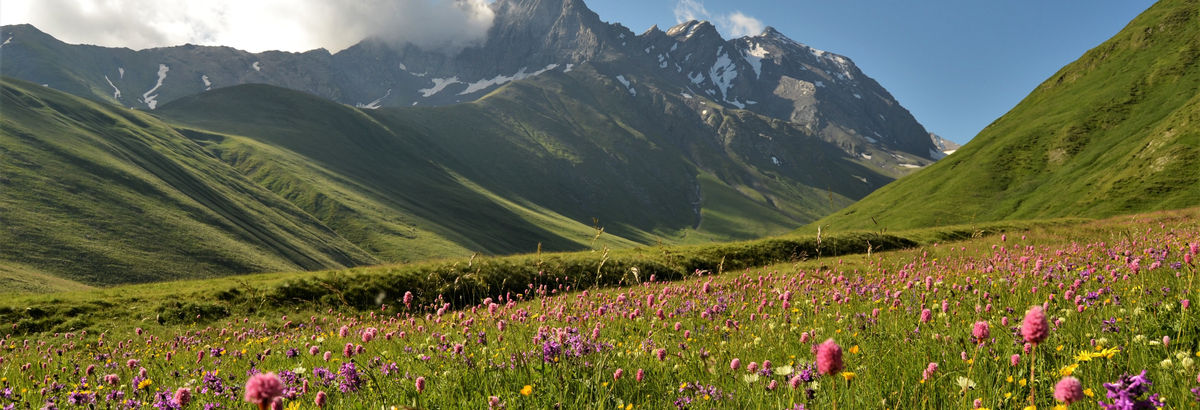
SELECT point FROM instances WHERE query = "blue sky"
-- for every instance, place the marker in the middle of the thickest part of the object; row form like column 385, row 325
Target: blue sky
column 957, row 65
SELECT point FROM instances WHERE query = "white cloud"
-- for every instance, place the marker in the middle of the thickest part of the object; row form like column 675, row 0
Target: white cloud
column 290, row 25
column 735, row 24
column 686, row 10
column 740, row 25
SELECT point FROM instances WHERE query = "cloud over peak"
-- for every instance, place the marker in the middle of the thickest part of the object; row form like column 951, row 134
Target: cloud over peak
column 289, row 25
column 735, row 24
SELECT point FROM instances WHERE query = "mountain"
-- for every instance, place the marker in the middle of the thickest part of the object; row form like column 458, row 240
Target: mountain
column 559, row 132
column 944, row 145
column 768, row 74
column 1117, row 131
column 99, row 194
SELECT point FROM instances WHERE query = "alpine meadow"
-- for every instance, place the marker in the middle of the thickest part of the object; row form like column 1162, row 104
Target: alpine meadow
column 517, row 204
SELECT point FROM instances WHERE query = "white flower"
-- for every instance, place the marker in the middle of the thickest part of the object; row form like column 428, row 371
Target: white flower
column 1165, row 364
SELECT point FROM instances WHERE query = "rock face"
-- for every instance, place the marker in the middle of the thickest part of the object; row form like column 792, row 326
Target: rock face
column 768, row 74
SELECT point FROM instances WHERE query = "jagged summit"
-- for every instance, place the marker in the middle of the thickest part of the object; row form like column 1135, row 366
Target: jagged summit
column 768, row 74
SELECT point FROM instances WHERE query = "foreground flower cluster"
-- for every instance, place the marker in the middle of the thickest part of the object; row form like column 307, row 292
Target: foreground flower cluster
column 1095, row 316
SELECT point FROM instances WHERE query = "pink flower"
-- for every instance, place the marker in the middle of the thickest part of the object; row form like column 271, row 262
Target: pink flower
column 641, row 374
column 752, row 367
column 420, row 384
column 735, row 364
column 772, row 385
column 795, row 381
column 661, row 354
column 112, row 379
column 277, row 404
column 183, row 396
column 320, row 400
column 408, row 297
column 926, row 315
column 1068, row 390
column 617, row 374
column 1014, row 359
column 929, row 371
column 1034, row 328
column 262, row 388
column 829, row 357
column 981, row 331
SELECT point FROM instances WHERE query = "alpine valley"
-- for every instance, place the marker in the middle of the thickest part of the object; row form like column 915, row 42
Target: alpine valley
column 558, row 132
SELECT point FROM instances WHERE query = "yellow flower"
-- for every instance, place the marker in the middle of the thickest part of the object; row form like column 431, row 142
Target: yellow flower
column 144, row 384
column 1088, row 392
column 629, row 406
column 854, row 349
column 1067, row 370
column 1008, row 379
column 1060, row 407
column 527, row 390
column 1030, row 407
column 1021, row 382
column 849, row 376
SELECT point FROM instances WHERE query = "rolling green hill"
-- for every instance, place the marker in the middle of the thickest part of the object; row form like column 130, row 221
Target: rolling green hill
column 1117, row 131
column 96, row 194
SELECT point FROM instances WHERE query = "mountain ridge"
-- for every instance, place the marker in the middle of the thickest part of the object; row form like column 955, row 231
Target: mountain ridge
column 1112, row 132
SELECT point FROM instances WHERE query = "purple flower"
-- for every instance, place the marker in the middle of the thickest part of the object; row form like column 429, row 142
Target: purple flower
column 1126, row 393
column 350, row 381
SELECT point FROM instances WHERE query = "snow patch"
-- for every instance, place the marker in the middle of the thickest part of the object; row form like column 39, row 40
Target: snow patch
column 152, row 100
column 722, row 73
column 872, row 140
column 121, row 71
column 775, row 161
column 858, row 96
column 754, row 56
column 403, row 67
column 116, row 92
column 935, row 154
column 910, row 166
column 685, row 95
column 622, row 79
column 569, row 67
column 256, row 66
column 675, row 46
column 6, row 41
column 751, row 102
column 820, row 84
column 374, row 105
column 501, row 79
column 864, row 180
column 736, row 104
column 439, row 84
column 865, row 155
column 950, row 151
column 696, row 78
column 207, row 84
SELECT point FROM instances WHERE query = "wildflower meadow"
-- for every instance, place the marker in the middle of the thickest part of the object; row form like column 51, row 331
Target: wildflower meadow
column 1092, row 315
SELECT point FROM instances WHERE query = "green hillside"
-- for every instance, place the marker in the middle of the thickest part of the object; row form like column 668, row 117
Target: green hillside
column 97, row 194
column 545, row 161
column 1117, row 131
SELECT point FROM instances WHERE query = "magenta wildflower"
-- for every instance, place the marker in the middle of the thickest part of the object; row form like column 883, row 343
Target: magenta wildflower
column 1034, row 328
column 1068, row 390
column 829, row 357
column 263, row 388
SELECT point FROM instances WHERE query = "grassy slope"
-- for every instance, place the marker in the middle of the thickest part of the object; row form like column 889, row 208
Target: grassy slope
column 374, row 183
column 101, row 195
column 462, row 281
column 1117, row 131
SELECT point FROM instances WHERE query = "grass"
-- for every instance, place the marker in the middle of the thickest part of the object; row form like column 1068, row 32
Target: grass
column 100, row 195
column 560, row 346
column 1111, row 133
column 459, row 281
